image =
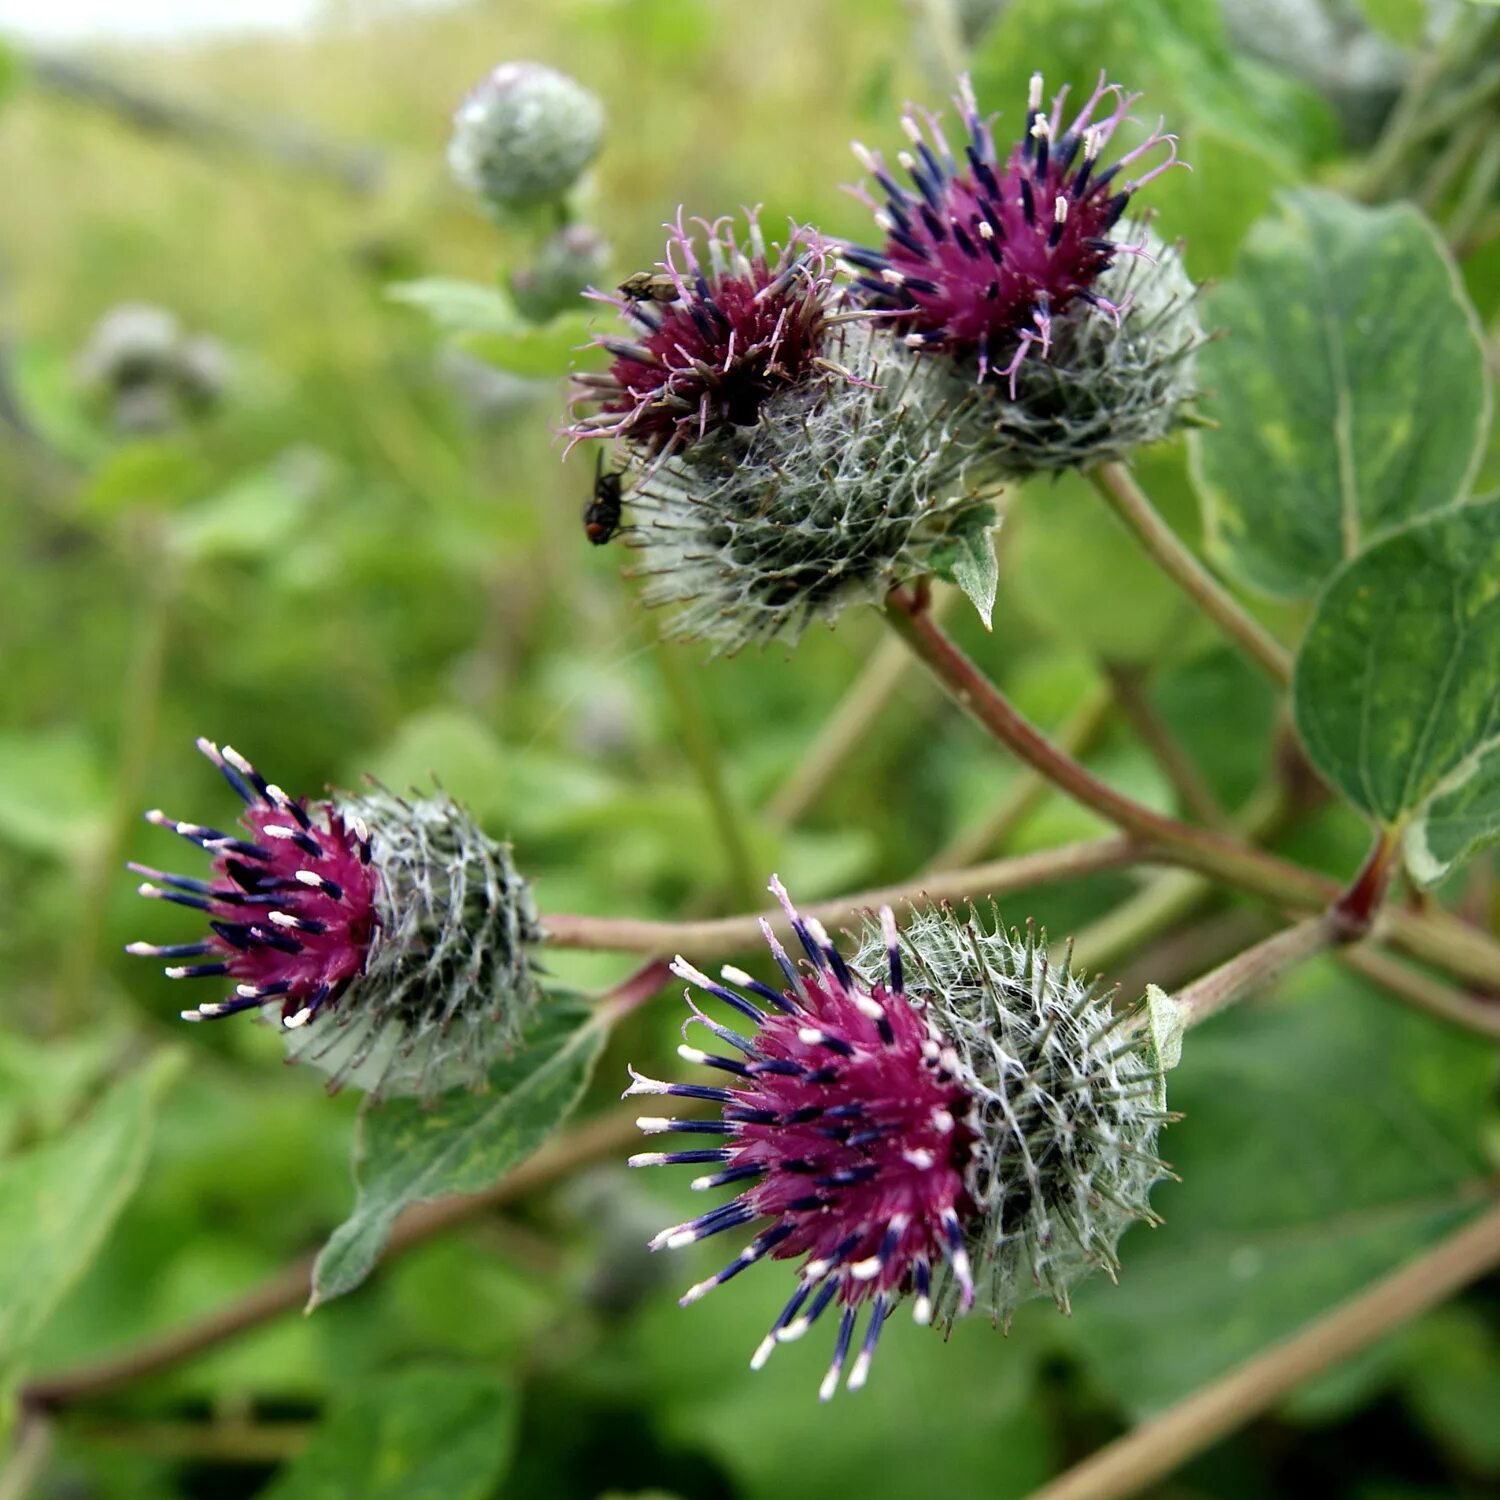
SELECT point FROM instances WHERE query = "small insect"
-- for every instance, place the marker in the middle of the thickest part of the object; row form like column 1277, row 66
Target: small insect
column 601, row 516
column 649, row 286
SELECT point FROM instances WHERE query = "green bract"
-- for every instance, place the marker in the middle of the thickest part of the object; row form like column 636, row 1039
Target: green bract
column 448, row 987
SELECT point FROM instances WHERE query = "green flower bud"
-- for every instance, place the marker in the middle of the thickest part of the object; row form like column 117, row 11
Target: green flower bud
column 524, row 136
column 566, row 265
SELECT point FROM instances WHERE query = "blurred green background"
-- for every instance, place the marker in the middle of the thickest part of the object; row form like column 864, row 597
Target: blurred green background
column 367, row 558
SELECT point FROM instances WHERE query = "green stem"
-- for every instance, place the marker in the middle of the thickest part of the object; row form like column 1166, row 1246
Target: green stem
column 1420, row 989
column 599, row 1138
column 1193, row 791
column 1130, row 503
column 1258, row 966
column 1169, row 897
column 939, row 20
column 139, row 711
column 1453, row 158
column 1028, row 790
column 850, row 726
column 1479, row 191
column 28, row 1458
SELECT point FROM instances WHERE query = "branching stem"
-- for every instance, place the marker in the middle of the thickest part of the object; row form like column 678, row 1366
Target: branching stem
column 1433, row 936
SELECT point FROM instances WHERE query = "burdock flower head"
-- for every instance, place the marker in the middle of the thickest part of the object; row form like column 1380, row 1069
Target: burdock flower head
column 983, row 253
column 784, row 456
column 951, row 1119
column 392, row 936
column 708, row 344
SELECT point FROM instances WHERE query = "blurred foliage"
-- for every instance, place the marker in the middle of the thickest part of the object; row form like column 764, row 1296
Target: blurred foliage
column 368, row 559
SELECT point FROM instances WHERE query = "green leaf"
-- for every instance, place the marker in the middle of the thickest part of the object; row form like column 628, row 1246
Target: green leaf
column 45, row 387
column 1350, row 394
column 255, row 514
column 1394, row 691
column 537, row 351
column 148, row 473
column 428, row 1433
column 1453, row 1383
column 459, row 306
column 407, row 1152
column 1326, row 1137
column 971, row 1396
column 43, row 1084
column 57, row 1203
column 1232, row 184
column 1175, row 51
column 1166, row 1025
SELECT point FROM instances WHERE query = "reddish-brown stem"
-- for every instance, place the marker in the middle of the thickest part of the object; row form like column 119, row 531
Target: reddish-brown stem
column 1353, row 914
column 725, row 935
column 1435, row 937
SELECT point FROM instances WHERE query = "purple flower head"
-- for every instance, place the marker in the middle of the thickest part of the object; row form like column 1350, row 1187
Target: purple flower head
column 846, row 1121
column 395, row 924
column 982, row 253
column 291, row 905
column 950, row 1115
column 711, row 343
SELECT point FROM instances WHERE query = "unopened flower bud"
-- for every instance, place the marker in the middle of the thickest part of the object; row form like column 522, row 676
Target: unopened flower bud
column 204, row 370
column 524, row 136
column 133, row 344
column 566, row 265
column 393, row 936
column 951, row 1120
column 148, row 375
